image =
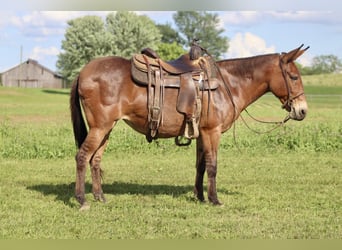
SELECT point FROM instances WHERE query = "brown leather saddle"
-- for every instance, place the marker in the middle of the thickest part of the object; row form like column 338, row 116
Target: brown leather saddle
column 189, row 76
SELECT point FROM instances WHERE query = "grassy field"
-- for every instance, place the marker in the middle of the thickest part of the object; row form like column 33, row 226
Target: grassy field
column 282, row 185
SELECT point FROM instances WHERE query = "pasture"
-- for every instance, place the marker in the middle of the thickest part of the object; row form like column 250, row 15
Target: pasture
column 286, row 184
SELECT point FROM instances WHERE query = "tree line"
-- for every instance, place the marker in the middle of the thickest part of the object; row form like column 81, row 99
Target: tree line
column 124, row 33
column 322, row 64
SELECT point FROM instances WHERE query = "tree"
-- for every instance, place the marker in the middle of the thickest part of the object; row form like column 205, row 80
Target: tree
column 123, row 34
column 85, row 39
column 170, row 51
column 326, row 64
column 323, row 64
column 131, row 33
column 203, row 26
column 171, row 46
column 169, row 35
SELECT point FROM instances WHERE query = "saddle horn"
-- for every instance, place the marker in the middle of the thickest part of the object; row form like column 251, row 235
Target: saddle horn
column 195, row 50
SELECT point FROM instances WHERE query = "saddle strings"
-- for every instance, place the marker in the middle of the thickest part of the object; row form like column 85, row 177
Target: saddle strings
column 225, row 84
column 230, row 95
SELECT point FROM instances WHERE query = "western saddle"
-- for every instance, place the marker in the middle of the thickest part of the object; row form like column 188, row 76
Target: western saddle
column 190, row 74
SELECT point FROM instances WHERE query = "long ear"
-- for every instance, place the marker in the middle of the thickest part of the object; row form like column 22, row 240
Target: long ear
column 293, row 54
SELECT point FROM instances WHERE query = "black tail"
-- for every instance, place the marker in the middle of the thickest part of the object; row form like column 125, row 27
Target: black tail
column 79, row 126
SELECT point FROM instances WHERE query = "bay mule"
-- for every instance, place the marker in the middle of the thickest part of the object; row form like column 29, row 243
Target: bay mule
column 107, row 93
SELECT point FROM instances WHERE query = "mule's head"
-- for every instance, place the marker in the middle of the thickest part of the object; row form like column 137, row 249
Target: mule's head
column 287, row 85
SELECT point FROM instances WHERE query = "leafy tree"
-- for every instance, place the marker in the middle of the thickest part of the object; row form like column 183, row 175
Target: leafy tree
column 203, row 26
column 323, row 64
column 124, row 34
column 85, row 39
column 169, row 35
column 170, row 51
column 131, row 33
column 326, row 64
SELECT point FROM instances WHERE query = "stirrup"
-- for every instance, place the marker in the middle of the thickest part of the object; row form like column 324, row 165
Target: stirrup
column 178, row 141
column 191, row 129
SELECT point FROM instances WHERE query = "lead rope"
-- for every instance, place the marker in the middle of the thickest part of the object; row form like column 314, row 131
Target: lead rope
column 277, row 124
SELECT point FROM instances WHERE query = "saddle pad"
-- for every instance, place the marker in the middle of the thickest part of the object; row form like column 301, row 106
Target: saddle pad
column 179, row 66
column 170, row 81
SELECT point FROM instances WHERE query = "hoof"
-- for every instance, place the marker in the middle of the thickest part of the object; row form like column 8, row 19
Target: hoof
column 215, row 202
column 199, row 197
column 100, row 197
column 85, row 207
column 219, row 204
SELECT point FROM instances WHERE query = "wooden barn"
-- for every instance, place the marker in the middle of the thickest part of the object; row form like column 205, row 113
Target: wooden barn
column 31, row 74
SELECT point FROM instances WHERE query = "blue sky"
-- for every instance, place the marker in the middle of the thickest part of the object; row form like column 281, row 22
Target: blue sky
column 39, row 33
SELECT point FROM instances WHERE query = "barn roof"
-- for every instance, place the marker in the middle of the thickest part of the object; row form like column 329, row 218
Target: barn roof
column 35, row 62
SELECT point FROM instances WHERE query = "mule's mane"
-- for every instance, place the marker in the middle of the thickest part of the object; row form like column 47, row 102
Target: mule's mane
column 243, row 67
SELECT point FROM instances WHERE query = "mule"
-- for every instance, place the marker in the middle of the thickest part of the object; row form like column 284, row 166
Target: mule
column 105, row 90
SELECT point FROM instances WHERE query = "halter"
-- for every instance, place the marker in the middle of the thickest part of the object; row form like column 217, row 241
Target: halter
column 288, row 102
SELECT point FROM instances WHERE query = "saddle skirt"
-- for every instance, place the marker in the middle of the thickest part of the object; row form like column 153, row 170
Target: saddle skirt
column 188, row 76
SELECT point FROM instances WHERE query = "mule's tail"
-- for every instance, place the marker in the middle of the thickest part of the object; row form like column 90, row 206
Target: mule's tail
column 79, row 126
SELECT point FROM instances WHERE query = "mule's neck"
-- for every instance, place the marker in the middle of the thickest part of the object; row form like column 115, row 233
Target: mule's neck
column 248, row 78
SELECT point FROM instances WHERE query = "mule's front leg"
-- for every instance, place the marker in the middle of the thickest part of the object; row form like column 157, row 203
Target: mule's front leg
column 211, row 140
column 207, row 147
column 200, row 169
column 211, row 167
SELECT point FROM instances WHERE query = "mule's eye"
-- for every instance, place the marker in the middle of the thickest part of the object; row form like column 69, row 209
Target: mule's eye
column 293, row 77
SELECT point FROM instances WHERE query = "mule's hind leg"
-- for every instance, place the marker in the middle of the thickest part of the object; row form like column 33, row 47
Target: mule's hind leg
column 86, row 153
column 96, row 171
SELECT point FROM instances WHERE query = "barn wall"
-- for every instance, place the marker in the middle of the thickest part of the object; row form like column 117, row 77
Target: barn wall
column 31, row 75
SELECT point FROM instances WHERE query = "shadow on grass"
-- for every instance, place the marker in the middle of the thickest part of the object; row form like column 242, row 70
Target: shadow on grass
column 65, row 192
column 56, row 92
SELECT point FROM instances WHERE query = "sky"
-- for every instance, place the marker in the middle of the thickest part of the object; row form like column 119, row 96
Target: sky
column 37, row 34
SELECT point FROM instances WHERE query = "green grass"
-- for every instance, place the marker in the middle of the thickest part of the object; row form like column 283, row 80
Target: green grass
column 324, row 80
column 282, row 185
column 298, row 197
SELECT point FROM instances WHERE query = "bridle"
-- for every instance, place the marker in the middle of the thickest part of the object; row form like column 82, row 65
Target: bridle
column 286, row 75
column 286, row 105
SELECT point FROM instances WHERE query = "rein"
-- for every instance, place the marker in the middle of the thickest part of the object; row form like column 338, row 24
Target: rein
column 277, row 124
column 286, row 105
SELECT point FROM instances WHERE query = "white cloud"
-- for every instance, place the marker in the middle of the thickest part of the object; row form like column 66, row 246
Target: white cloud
column 323, row 17
column 40, row 24
column 240, row 18
column 305, row 60
column 248, row 44
column 248, row 18
column 39, row 53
